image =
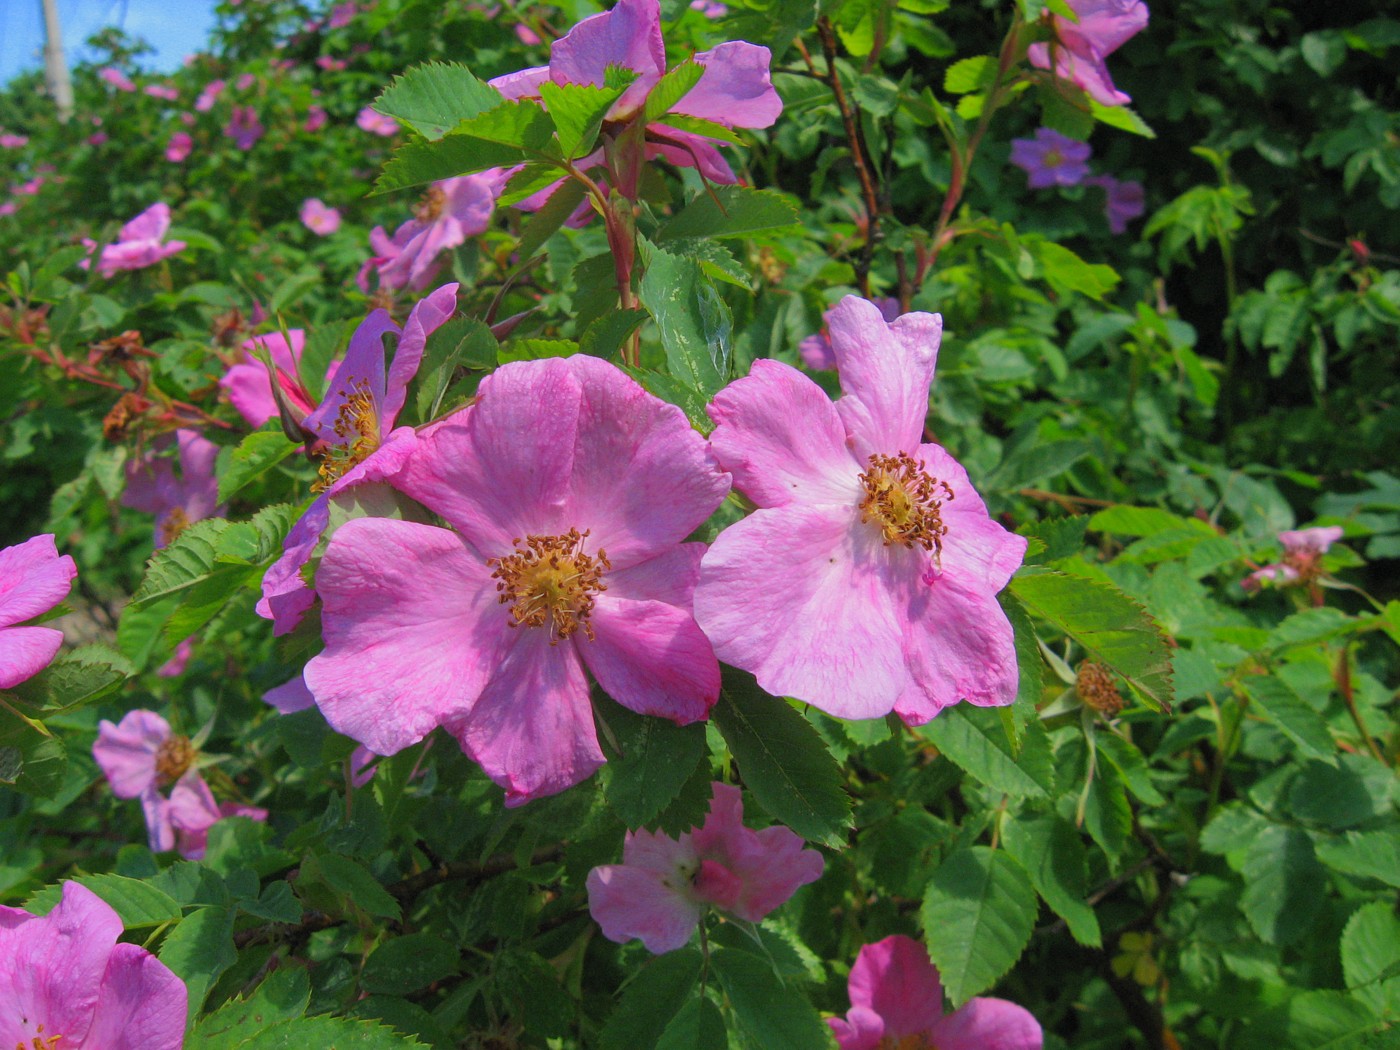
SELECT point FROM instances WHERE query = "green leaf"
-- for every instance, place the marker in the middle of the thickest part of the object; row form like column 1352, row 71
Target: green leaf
column 1284, row 884
column 138, row 903
column 605, row 336
column 1067, row 272
column 970, row 74
column 671, row 88
column 406, row 964
column 1365, row 854
column 1317, row 1020
column 769, row 1014
column 282, row 996
column 199, row 949
column 730, row 211
column 1053, row 855
column 1276, row 700
column 578, row 111
column 1124, row 520
column 184, row 564
column 692, row 320
column 333, row 1033
column 1030, row 672
column 255, row 455
column 1371, row 957
column 978, row 913
column 1062, row 537
column 546, row 222
column 1121, row 117
column 512, row 133
column 31, row 761
column 354, row 882
column 436, row 97
column 76, row 680
column 1110, row 627
column 656, row 757
column 974, row 739
column 697, row 1026
column 783, row 761
column 1131, row 766
column 463, row 342
column 1036, row 463
column 653, row 997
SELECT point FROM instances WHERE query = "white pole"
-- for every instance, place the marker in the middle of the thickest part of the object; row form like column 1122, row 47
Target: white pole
column 55, row 68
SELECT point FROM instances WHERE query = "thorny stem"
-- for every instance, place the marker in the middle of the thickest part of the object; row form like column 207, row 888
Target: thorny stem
column 1342, row 676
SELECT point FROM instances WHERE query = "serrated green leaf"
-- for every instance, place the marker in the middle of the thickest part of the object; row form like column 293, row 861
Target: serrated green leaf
column 436, row 97
column 547, row 221
column 1054, row 857
column 1365, row 854
column 1371, row 957
column 1131, row 766
column 31, row 761
column 199, row 949
column 1121, row 117
column 282, row 996
column 75, row 680
column 692, row 320
column 970, row 74
column 353, row 882
column 698, row 1025
column 770, row 1014
column 578, row 111
column 656, row 758
column 512, row 133
column 333, row 1033
column 694, row 125
column 730, row 211
column 1317, row 1020
column 783, row 761
column 653, row 997
column 254, row 456
column 1276, row 700
column 975, row 740
column 671, row 88
column 176, row 569
column 463, row 342
column 139, row 904
column 1124, row 520
column 1065, row 271
column 1062, row 538
column 605, row 336
column 405, row 964
column 1284, row 884
column 978, row 913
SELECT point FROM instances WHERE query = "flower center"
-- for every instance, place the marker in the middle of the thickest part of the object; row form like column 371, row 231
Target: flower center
column 1053, row 158
column 176, row 521
column 173, row 758
column 357, row 426
column 40, row 1041
column 551, row 580
column 1094, row 684
column 431, row 206
column 1306, row 563
column 904, row 501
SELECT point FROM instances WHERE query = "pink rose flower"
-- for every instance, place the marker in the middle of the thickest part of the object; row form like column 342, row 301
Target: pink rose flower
column 183, row 820
column 331, row 64
column 8, row 208
column 342, row 15
column 452, row 211
column 32, row 187
column 116, row 78
column 97, row 138
column 65, row 981
column 1079, row 49
column 1123, row 201
column 571, row 490
column 177, row 501
column 897, row 1000
column 179, row 660
column 162, row 91
column 1302, row 557
column 140, row 753
column 245, row 81
column 34, row 578
column 249, row 387
column 244, row 127
column 316, row 118
column 359, row 444
column 212, row 90
column 9, row 140
column 292, row 696
column 376, row 123
column 140, row 243
column 660, row 891
column 866, row 580
column 317, row 217
column 1051, row 159
column 179, row 147
column 815, row 350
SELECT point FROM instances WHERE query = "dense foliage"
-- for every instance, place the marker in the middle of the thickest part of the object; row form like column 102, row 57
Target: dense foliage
column 1183, row 396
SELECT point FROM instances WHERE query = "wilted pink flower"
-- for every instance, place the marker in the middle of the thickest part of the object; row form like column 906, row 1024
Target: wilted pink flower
column 1302, row 557
column 376, row 123
column 140, row 243
column 165, row 91
column 116, row 78
column 177, row 501
column 8, row 140
column 318, row 218
column 66, row 982
column 897, row 1001
column 815, row 350
column 179, row 147
column 866, row 580
column 452, row 211
column 316, row 118
column 249, row 387
column 245, row 81
column 33, row 579
column 1051, row 159
column 1123, row 201
column 1079, row 49
column 660, row 891
column 571, row 490
column 244, row 127
column 359, row 444
column 212, row 90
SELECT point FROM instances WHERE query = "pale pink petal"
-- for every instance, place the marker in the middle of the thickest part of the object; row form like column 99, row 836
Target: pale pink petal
column 685, row 149
column 670, row 577
column 780, row 436
column 1315, row 540
column 33, row 579
column 1104, row 25
column 126, row 752
column 426, row 317
column 988, row 1024
column 247, row 383
column 885, row 372
column 142, row 1005
column 735, row 89
column 160, row 833
column 797, row 596
column 522, row 84
column 651, row 658
column 976, row 549
column 629, row 36
column 412, row 628
column 25, row 651
column 531, row 729
column 634, row 903
column 290, row 696
column 361, row 371
column 861, row 1029
column 150, row 225
column 895, row 978
column 199, row 487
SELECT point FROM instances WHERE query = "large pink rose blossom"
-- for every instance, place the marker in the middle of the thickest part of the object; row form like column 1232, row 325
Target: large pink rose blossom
column 452, row 211
column 34, row 578
column 897, row 1001
column 65, row 982
column 866, row 580
column 1078, row 51
column 319, row 217
column 660, row 891
column 140, row 243
column 176, row 500
column 359, row 444
column 570, row 490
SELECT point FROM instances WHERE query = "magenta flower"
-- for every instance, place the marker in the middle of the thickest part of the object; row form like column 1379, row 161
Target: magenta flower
column 179, row 147
column 245, row 81
column 179, row 660
column 8, row 208
column 244, row 127
column 571, row 490
column 1051, row 159
column 140, row 754
column 66, row 983
column 177, row 501
column 34, row 578
column 1302, row 557
column 9, row 140
column 316, row 118
column 162, row 91
column 249, row 387
column 359, row 444
column 1123, row 202
column 660, row 891
column 212, row 90
column 116, row 78
column 190, row 812
column 376, row 123
column 140, row 243
column 452, row 211
column 709, row 8
column 318, row 217
column 866, row 580
column 1079, row 49
column 897, row 1001
column 342, row 15
column 815, row 350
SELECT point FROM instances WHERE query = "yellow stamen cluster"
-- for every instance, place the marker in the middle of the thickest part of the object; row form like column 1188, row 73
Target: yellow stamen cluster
column 173, row 758
column 431, row 205
column 358, row 428
column 551, row 580
column 40, row 1041
column 1095, row 685
column 176, row 522
column 904, row 501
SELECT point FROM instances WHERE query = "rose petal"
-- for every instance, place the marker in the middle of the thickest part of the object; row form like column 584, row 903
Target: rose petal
column 651, row 658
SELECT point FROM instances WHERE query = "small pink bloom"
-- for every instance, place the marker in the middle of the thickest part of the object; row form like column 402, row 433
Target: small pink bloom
column 140, row 243
column 1079, row 48
column 317, row 217
column 8, row 208
column 661, row 889
column 866, row 580
column 452, row 211
column 571, row 491
column 376, row 123
column 1302, row 557
column 163, row 91
column 526, row 35
column 97, row 138
column 244, row 127
column 709, row 8
column 177, row 501
column 187, row 119
column 331, row 64
column 191, row 811
column 815, row 350
column 342, row 15
column 1123, row 201
column 212, row 90
column 116, row 78
column 11, row 141
column 65, row 981
column 140, row 754
column 32, row 187
column 1051, row 159
column 34, row 578
column 245, row 81
column 179, row 147
column 897, row 1000
column 179, row 660
column 316, row 118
